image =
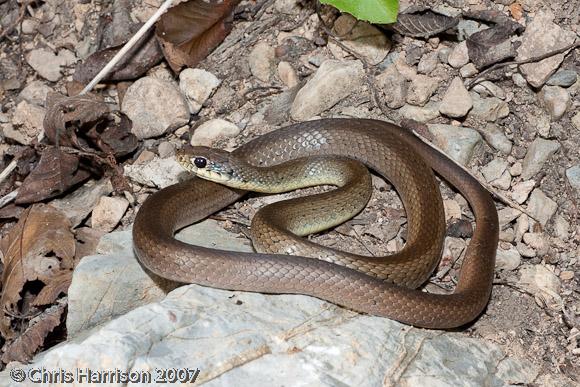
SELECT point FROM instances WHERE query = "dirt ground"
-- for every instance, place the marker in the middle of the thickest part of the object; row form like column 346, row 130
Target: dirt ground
column 523, row 324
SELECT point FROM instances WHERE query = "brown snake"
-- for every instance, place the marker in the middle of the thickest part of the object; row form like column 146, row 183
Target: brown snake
column 389, row 150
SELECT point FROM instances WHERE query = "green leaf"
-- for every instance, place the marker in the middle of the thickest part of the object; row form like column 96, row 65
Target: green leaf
column 374, row 11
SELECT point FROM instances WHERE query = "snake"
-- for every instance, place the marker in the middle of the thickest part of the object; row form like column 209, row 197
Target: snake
column 390, row 151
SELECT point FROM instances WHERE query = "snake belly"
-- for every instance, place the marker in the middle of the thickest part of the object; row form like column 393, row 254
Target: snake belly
column 390, row 151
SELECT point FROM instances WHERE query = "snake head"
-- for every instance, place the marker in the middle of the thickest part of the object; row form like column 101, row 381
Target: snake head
column 208, row 163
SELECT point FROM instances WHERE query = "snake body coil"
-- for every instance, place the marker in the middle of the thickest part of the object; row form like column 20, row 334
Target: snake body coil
column 390, row 151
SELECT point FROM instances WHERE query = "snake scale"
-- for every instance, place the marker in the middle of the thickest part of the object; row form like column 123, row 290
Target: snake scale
column 390, row 151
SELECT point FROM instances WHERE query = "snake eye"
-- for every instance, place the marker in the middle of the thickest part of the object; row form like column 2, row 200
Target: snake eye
column 200, row 162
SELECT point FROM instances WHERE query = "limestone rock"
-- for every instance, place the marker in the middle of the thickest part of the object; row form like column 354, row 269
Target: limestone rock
column 361, row 37
column 456, row 101
column 394, row 87
column 496, row 138
column 48, row 65
column 555, row 100
column 155, row 107
column 212, row 130
column 458, row 143
column 459, row 56
column 542, row 35
column 197, row 85
column 261, row 61
column 538, row 153
column 541, row 207
column 421, row 89
column 332, row 82
column 108, row 212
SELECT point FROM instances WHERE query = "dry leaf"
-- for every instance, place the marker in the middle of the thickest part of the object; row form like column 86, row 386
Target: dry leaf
column 490, row 46
column 144, row 55
column 423, row 23
column 27, row 344
column 189, row 31
column 57, row 285
column 37, row 248
column 55, row 173
column 68, row 115
column 116, row 139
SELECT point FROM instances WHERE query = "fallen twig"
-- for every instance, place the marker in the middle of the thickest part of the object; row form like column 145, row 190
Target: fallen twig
column 138, row 35
column 18, row 20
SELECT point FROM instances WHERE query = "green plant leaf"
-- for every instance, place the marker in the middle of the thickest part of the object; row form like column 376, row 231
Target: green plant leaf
column 374, row 11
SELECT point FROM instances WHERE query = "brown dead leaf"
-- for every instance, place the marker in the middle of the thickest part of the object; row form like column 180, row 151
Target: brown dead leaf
column 37, row 248
column 56, row 286
column 423, row 22
column 116, row 139
column 56, row 172
column 191, row 30
column 144, row 55
column 27, row 344
column 67, row 116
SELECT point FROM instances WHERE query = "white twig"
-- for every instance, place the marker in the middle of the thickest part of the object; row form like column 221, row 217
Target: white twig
column 113, row 62
column 8, row 198
column 8, row 170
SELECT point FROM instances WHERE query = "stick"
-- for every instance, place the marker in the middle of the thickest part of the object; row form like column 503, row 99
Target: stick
column 138, row 35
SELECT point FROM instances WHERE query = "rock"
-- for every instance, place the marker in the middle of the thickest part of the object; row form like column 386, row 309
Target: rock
column 428, row 63
column 576, row 120
column 79, row 204
column 261, row 61
column 287, row 74
column 522, row 190
column 35, row 93
column 469, row 70
column 489, row 89
column 256, row 338
column 466, row 28
column 508, row 259
column 519, row 80
column 537, row 241
column 459, row 56
column 421, row 89
column 456, row 141
column 525, row 250
column 108, row 213
column 457, row 101
column 494, row 169
column 496, row 138
column 361, row 37
column 516, row 169
column 28, row 121
column 564, row 78
column 573, row 176
column 332, row 82
column 561, row 227
column 118, row 282
column 452, row 209
column 197, row 85
column 394, row 87
column 155, row 106
column 488, row 109
column 538, row 153
column 212, row 130
column 420, row 113
column 555, row 100
column 507, row 215
column 522, row 226
column 541, row 36
column 567, row 275
column 541, row 282
column 541, row 207
column 504, row 181
column 507, row 235
column 166, row 149
column 48, row 65
column 158, row 172
column 443, row 54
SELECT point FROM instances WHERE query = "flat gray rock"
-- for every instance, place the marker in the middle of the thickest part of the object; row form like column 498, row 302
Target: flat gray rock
column 538, row 153
column 457, row 142
column 240, row 338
